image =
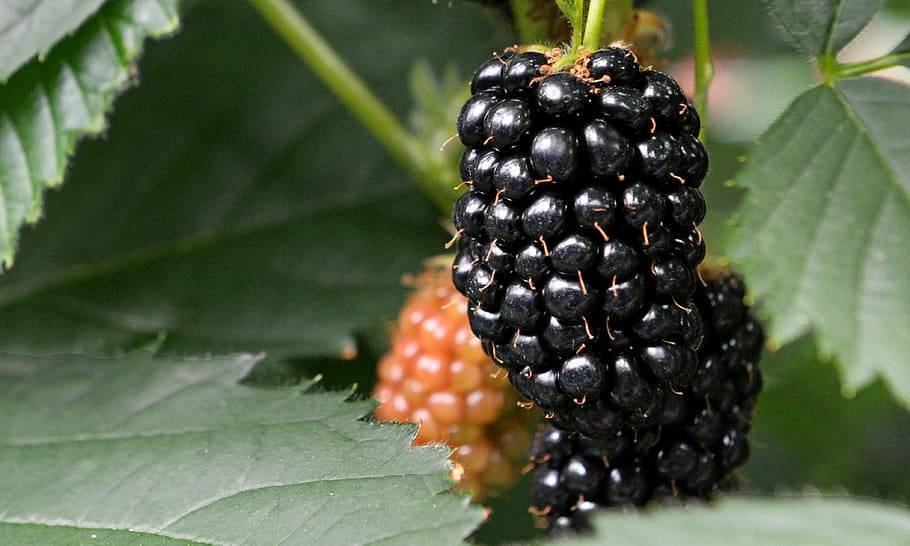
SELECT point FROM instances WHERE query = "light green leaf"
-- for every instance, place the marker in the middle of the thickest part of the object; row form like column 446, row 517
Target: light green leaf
column 47, row 105
column 30, row 27
column 808, row 521
column 825, row 230
column 178, row 449
column 30, row 534
column 234, row 204
column 902, row 50
column 821, row 28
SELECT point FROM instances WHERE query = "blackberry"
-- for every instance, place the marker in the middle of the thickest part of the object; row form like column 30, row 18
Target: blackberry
column 437, row 375
column 689, row 448
column 579, row 234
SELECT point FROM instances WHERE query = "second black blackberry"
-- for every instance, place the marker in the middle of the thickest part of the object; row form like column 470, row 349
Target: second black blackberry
column 689, row 452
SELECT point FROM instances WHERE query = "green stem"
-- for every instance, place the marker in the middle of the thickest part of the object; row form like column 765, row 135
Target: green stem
column 704, row 67
column 604, row 17
column 322, row 59
column 594, row 25
column 852, row 70
column 576, row 22
column 530, row 29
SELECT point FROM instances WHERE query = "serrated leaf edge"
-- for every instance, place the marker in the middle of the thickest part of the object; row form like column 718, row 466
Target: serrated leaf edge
column 59, row 140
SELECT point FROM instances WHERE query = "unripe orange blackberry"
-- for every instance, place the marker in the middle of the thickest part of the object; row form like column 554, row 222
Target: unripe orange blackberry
column 437, row 375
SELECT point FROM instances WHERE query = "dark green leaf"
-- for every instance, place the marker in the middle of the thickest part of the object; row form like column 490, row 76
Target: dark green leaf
column 31, row 27
column 806, row 521
column 822, row 27
column 235, row 205
column 48, row 104
column 824, row 229
column 178, row 449
column 805, row 433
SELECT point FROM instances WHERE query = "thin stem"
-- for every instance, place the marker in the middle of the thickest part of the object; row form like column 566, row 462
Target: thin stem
column 594, row 25
column 852, row 70
column 322, row 59
column 575, row 12
column 577, row 38
column 704, row 67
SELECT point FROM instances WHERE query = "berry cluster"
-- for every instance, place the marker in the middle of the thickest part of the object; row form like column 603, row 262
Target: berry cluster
column 699, row 437
column 578, row 238
column 437, row 376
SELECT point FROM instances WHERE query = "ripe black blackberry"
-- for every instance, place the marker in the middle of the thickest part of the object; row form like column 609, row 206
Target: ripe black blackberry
column 578, row 238
column 689, row 453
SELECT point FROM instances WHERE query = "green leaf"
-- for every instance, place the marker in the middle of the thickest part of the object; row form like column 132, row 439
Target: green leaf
column 821, row 28
column 30, row 27
column 178, row 449
column 29, row 534
column 792, row 447
column 903, row 50
column 48, row 104
column 824, row 230
column 807, row 521
column 235, row 205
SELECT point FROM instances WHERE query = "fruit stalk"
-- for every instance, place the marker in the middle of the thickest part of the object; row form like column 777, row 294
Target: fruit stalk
column 704, row 67
column 605, row 18
column 306, row 42
column 594, row 24
column 835, row 71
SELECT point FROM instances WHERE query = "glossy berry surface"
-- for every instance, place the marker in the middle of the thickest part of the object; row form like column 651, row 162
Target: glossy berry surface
column 488, row 76
column 554, row 154
column 520, row 73
column 437, row 375
column 579, row 231
column 470, row 122
column 614, row 65
column 562, row 95
column 691, row 447
column 505, row 123
column 609, row 152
